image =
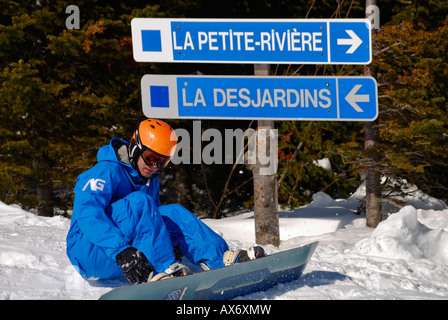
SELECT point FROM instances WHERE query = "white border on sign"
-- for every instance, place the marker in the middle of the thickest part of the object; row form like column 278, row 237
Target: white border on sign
column 166, row 55
column 173, row 111
column 164, row 26
column 156, row 112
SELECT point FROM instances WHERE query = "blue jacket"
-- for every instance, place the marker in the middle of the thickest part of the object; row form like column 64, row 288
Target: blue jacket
column 109, row 180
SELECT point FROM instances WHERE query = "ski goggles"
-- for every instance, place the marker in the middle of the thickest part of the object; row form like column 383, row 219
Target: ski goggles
column 152, row 158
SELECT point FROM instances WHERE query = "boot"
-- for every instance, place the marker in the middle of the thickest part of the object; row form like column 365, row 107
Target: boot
column 232, row 257
column 175, row 270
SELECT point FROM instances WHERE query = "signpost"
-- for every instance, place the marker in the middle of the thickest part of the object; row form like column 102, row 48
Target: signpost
column 255, row 41
column 260, row 97
column 260, row 42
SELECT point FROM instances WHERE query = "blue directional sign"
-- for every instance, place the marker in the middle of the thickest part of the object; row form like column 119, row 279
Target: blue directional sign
column 256, row 97
column 282, row 41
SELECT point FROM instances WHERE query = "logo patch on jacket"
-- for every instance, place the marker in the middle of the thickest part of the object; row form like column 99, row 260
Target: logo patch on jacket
column 95, row 184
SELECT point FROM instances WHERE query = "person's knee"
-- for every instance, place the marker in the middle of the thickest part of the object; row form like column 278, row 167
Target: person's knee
column 128, row 212
column 140, row 202
column 139, row 197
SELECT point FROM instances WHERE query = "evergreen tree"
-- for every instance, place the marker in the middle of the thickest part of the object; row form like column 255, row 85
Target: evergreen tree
column 412, row 69
column 64, row 93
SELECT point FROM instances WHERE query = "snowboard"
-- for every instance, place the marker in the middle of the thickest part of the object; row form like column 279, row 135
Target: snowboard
column 223, row 283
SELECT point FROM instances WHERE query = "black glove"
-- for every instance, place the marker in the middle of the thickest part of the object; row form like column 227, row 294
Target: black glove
column 134, row 264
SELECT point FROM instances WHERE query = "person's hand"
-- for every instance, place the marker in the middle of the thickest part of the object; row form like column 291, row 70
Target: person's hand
column 135, row 265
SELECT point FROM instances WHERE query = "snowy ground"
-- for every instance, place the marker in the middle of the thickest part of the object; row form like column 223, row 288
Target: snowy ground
column 406, row 257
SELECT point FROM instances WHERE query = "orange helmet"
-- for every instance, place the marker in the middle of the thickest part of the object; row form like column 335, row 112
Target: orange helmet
column 155, row 141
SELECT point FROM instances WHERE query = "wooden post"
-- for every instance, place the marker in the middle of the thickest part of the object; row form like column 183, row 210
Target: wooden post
column 373, row 174
column 267, row 230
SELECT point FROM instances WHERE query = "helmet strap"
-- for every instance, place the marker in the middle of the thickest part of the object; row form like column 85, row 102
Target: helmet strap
column 134, row 153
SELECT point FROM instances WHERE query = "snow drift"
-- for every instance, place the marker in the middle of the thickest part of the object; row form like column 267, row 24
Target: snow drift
column 411, row 234
column 405, row 257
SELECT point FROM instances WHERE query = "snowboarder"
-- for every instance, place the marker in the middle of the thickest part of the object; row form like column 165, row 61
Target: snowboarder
column 119, row 225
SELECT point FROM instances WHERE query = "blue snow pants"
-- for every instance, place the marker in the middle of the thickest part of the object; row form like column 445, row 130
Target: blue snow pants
column 153, row 230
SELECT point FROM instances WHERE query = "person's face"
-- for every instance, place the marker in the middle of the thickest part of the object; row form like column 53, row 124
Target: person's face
column 146, row 170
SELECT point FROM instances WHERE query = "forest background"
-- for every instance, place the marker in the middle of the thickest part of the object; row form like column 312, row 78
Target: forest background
column 64, row 93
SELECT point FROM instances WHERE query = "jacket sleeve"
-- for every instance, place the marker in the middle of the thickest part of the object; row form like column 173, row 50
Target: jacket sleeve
column 94, row 192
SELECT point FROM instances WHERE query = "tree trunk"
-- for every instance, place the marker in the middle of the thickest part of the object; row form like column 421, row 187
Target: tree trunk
column 267, row 230
column 373, row 173
column 45, row 198
column 44, row 186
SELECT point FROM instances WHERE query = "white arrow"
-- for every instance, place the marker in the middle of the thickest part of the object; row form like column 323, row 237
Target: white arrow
column 352, row 98
column 354, row 41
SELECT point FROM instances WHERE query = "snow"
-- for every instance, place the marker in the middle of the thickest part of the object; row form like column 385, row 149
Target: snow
column 405, row 257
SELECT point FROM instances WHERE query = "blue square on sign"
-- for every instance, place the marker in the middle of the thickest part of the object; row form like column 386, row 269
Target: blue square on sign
column 159, row 96
column 151, row 40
